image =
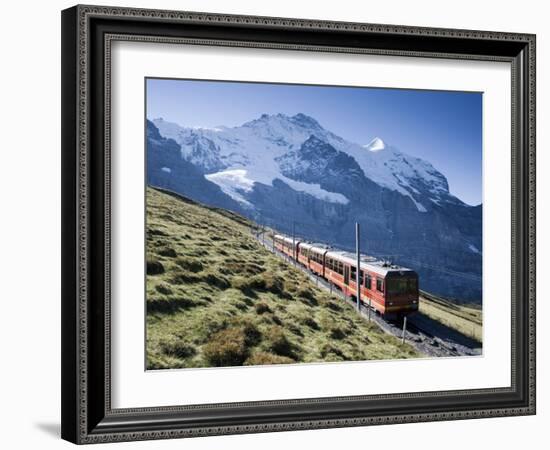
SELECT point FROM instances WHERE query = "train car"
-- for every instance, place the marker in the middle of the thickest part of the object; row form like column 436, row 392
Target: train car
column 303, row 253
column 390, row 289
column 286, row 245
column 312, row 256
column 278, row 242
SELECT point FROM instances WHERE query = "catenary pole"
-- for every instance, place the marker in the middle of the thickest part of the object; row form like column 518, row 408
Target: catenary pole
column 294, row 242
column 358, row 270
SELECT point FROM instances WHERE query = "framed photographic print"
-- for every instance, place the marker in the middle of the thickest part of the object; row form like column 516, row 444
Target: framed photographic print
column 280, row 224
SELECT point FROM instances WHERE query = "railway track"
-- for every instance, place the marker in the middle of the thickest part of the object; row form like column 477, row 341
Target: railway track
column 426, row 335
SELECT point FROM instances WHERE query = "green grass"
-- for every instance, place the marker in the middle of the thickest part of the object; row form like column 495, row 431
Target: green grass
column 215, row 297
column 464, row 318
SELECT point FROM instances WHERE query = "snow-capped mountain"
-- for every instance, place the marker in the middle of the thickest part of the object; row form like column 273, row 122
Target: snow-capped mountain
column 280, row 169
column 256, row 149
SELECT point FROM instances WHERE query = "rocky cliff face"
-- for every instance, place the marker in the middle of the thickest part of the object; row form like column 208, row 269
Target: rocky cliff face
column 289, row 172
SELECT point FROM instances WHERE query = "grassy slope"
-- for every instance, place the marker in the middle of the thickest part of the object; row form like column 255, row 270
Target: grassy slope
column 215, row 297
column 467, row 319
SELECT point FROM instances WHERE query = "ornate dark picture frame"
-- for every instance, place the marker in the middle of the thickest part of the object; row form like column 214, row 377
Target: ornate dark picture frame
column 87, row 33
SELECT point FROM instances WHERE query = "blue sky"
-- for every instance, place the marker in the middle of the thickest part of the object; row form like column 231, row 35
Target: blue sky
column 442, row 127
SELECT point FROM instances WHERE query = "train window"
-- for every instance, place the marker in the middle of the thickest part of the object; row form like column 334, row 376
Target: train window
column 353, row 273
column 361, row 275
column 413, row 285
column 379, row 285
column 397, row 286
column 368, row 282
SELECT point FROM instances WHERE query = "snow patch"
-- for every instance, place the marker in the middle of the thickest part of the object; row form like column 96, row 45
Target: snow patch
column 166, row 169
column 316, row 191
column 473, row 249
column 236, row 183
column 233, row 183
column 419, row 206
column 375, row 145
column 218, row 129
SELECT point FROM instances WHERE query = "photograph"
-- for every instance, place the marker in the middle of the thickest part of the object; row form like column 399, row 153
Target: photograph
column 300, row 223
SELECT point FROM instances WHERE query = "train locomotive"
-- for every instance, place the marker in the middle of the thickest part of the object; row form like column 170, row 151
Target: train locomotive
column 391, row 290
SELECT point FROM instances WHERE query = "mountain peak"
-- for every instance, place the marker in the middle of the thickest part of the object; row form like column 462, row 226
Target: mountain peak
column 375, row 145
column 300, row 120
column 305, row 121
column 265, row 119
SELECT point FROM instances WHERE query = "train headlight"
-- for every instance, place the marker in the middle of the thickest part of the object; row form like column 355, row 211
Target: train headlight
column 415, row 301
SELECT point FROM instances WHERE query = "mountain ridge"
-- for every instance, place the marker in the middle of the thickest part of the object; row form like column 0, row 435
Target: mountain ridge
column 216, row 149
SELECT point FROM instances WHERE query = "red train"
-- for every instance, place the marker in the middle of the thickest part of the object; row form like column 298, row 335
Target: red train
column 391, row 290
